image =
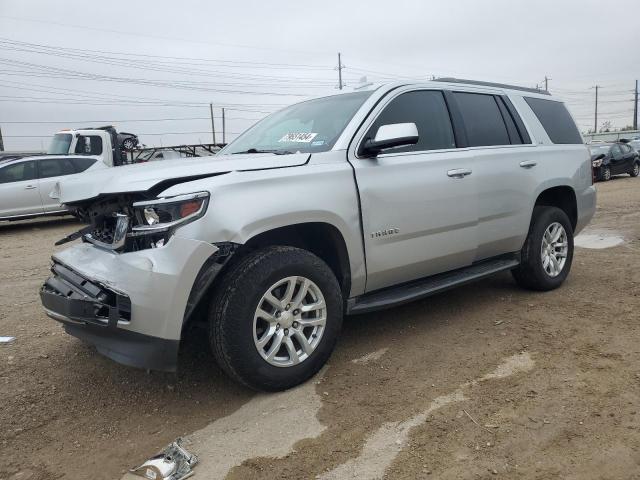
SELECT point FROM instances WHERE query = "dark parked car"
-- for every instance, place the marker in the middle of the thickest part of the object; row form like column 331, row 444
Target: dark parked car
column 618, row 158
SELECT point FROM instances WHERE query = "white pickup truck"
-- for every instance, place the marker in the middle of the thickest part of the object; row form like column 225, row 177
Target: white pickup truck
column 104, row 142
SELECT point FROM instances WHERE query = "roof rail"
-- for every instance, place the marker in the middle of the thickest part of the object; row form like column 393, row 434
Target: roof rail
column 491, row 84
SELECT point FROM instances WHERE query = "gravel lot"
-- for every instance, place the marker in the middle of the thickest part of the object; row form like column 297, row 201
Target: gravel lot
column 480, row 382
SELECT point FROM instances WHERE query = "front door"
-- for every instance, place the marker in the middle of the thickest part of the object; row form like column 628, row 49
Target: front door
column 19, row 190
column 419, row 204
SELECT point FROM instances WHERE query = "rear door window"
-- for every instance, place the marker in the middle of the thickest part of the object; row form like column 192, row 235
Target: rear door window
column 483, row 121
column 616, row 152
column 428, row 110
column 18, row 172
column 55, row 167
column 556, row 120
column 81, row 164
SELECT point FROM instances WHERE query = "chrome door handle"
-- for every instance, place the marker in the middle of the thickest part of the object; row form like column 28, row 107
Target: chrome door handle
column 30, row 187
column 528, row 164
column 459, row 172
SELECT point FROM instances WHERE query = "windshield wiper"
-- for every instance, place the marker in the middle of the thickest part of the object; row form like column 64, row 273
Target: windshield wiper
column 256, row 150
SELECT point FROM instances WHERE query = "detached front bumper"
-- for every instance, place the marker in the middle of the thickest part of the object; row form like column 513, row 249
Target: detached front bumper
column 131, row 306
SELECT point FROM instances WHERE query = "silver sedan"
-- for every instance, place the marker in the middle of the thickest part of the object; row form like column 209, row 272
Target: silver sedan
column 25, row 183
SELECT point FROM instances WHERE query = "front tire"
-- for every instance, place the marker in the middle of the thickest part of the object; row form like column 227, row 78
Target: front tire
column 606, row 174
column 275, row 318
column 547, row 252
column 129, row 144
column 635, row 171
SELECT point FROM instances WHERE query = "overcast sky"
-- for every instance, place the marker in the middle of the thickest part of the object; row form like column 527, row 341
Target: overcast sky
column 90, row 63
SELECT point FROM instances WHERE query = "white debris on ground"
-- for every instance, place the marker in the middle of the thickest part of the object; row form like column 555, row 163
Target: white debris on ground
column 173, row 463
column 385, row 444
column 5, row 340
column 370, row 357
column 269, row 425
column 598, row 239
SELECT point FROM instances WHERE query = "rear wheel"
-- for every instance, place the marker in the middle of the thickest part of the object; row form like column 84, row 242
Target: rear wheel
column 548, row 250
column 635, row 171
column 275, row 318
column 606, row 174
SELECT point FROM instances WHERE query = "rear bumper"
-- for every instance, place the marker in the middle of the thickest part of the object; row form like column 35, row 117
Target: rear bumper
column 131, row 306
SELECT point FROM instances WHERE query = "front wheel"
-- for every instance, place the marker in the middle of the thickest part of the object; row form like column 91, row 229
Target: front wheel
column 635, row 171
column 547, row 252
column 606, row 174
column 129, row 144
column 275, row 318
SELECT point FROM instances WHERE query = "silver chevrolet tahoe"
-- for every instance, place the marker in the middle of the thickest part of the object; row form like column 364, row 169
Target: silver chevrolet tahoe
column 338, row 205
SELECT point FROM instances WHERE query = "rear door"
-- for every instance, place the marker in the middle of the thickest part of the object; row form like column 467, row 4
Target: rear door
column 419, row 218
column 617, row 160
column 19, row 190
column 503, row 164
column 50, row 171
column 629, row 155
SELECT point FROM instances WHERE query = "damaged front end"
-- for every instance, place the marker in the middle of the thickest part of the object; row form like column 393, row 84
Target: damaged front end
column 128, row 287
column 129, row 223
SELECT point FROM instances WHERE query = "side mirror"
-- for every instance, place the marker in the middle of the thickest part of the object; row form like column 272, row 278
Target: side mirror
column 390, row 136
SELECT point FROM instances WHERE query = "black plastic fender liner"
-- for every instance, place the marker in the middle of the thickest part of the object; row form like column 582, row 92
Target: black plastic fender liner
column 207, row 274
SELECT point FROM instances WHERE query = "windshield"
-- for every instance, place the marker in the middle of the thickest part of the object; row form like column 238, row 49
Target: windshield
column 312, row 126
column 60, row 144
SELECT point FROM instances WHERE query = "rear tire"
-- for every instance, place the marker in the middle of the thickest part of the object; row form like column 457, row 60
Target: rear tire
column 266, row 338
column 547, row 252
column 635, row 171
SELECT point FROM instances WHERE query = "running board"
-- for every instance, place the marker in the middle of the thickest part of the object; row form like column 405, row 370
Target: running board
column 418, row 289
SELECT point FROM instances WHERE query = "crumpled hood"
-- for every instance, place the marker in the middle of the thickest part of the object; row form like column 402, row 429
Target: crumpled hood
column 144, row 176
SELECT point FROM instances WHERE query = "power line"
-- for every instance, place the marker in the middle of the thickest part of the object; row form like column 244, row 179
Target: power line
column 123, row 120
column 138, row 34
column 172, row 59
column 139, row 134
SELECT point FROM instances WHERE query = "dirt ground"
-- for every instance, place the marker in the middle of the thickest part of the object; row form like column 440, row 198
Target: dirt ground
column 408, row 393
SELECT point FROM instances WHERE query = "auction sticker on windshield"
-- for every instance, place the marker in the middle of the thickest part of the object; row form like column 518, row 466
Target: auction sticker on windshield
column 302, row 137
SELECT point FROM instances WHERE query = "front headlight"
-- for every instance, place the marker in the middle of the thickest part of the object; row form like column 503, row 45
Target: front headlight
column 597, row 163
column 167, row 213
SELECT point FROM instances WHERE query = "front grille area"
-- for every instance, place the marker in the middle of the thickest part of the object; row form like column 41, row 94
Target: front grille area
column 72, row 296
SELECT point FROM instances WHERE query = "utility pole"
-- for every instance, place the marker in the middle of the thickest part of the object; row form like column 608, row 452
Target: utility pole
column 2, row 144
column 595, row 120
column 635, row 112
column 340, row 67
column 546, row 83
column 224, row 129
column 213, row 125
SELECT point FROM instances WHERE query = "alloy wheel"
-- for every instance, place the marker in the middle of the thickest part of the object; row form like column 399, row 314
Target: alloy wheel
column 554, row 249
column 289, row 321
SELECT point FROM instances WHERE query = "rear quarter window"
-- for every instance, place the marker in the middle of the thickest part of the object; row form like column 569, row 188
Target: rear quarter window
column 556, row 120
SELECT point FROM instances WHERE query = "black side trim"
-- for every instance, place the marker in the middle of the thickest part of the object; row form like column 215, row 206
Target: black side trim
column 425, row 287
column 459, row 130
column 516, row 118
